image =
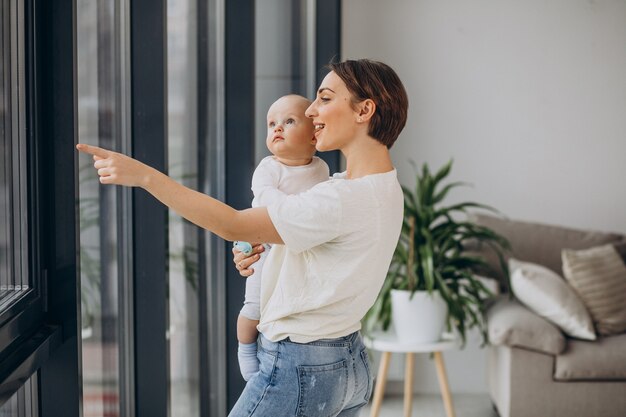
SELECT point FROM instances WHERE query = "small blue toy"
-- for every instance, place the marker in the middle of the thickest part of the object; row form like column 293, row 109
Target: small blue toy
column 244, row 247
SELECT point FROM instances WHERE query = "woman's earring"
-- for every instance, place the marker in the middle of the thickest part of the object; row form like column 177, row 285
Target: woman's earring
column 359, row 120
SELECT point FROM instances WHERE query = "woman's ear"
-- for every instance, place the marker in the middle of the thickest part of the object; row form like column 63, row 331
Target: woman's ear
column 365, row 110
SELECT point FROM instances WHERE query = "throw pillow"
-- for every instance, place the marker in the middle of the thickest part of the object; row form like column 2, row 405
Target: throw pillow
column 549, row 295
column 599, row 276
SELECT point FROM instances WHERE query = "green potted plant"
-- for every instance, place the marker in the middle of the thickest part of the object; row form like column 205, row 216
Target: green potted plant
column 432, row 267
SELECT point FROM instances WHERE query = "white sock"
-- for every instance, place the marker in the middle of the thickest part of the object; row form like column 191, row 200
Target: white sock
column 248, row 362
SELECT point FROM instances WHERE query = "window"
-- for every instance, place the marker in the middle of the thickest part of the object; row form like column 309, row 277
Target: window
column 26, row 340
column 102, row 121
column 24, row 402
column 157, row 297
column 183, row 237
column 14, row 277
column 284, row 58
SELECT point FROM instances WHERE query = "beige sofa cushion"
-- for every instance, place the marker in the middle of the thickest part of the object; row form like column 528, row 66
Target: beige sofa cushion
column 551, row 297
column 537, row 243
column 599, row 276
column 620, row 247
column 512, row 324
column 604, row 359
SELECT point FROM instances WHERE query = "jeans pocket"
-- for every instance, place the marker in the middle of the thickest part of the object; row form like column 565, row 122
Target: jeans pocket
column 323, row 389
column 267, row 361
column 370, row 380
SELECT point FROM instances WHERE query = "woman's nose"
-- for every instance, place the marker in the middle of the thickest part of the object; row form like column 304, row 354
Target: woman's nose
column 311, row 111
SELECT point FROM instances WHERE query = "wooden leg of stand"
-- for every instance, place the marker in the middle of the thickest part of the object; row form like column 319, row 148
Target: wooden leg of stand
column 381, row 380
column 443, row 385
column 408, row 384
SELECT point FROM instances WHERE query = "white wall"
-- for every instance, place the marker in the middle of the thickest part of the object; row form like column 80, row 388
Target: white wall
column 528, row 97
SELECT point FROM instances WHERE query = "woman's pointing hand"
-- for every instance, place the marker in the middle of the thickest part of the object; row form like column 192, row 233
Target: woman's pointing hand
column 117, row 168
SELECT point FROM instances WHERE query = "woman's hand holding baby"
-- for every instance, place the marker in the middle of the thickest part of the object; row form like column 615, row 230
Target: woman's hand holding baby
column 243, row 262
column 117, row 168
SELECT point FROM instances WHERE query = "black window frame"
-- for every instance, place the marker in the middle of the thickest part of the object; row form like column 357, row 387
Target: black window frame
column 42, row 323
column 28, row 308
column 14, row 44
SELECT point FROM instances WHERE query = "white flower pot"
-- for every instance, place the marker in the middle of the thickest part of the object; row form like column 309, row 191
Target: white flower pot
column 420, row 319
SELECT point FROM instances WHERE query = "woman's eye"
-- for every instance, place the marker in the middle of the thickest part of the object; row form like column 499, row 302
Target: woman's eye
column 324, row 98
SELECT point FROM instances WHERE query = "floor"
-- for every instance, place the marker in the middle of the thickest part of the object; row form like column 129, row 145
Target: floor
column 431, row 405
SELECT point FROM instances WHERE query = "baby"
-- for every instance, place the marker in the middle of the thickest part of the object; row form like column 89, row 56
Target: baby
column 291, row 169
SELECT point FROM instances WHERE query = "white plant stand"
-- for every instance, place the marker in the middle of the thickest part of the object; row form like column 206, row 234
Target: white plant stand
column 387, row 342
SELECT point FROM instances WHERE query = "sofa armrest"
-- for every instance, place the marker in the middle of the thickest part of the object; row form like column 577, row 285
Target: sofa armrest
column 512, row 324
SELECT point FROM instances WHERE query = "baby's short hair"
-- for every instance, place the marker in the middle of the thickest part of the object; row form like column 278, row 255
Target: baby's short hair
column 305, row 101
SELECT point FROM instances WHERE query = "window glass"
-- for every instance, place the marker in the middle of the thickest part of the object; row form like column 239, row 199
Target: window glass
column 24, row 402
column 283, row 57
column 100, row 123
column 14, row 280
column 183, row 333
column 5, row 154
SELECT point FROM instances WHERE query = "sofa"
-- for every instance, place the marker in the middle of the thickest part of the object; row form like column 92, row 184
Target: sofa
column 534, row 369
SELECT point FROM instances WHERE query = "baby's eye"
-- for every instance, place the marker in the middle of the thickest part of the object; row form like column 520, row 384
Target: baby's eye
column 271, row 124
column 290, row 121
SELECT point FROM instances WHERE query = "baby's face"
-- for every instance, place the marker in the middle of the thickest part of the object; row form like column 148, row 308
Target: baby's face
column 289, row 132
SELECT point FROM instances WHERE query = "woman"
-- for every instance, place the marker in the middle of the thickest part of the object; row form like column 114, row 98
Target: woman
column 334, row 245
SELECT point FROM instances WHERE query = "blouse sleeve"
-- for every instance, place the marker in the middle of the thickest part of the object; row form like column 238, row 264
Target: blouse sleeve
column 308, row 219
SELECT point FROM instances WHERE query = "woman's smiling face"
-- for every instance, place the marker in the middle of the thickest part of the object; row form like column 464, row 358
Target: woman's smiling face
column 333, row 114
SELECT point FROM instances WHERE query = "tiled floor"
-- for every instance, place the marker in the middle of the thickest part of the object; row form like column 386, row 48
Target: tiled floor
column 431, row 405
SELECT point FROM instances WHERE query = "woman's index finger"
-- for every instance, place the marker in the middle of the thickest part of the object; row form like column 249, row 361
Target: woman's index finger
column 93, row 150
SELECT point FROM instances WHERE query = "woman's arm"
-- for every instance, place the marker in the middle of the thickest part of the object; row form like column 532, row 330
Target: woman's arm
column 252, row 225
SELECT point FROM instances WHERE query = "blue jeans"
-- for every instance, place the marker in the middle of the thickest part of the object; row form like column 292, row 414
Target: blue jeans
column 328, row 377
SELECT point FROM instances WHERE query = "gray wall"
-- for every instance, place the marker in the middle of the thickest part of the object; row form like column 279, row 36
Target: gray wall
column 282, row 47
column 528, row 97
column 273, row 62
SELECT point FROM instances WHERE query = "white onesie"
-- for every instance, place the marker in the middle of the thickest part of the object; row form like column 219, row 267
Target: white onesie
column 272, row 182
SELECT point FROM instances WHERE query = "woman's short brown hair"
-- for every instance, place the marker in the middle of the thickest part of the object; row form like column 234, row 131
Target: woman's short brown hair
column 379, row 82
